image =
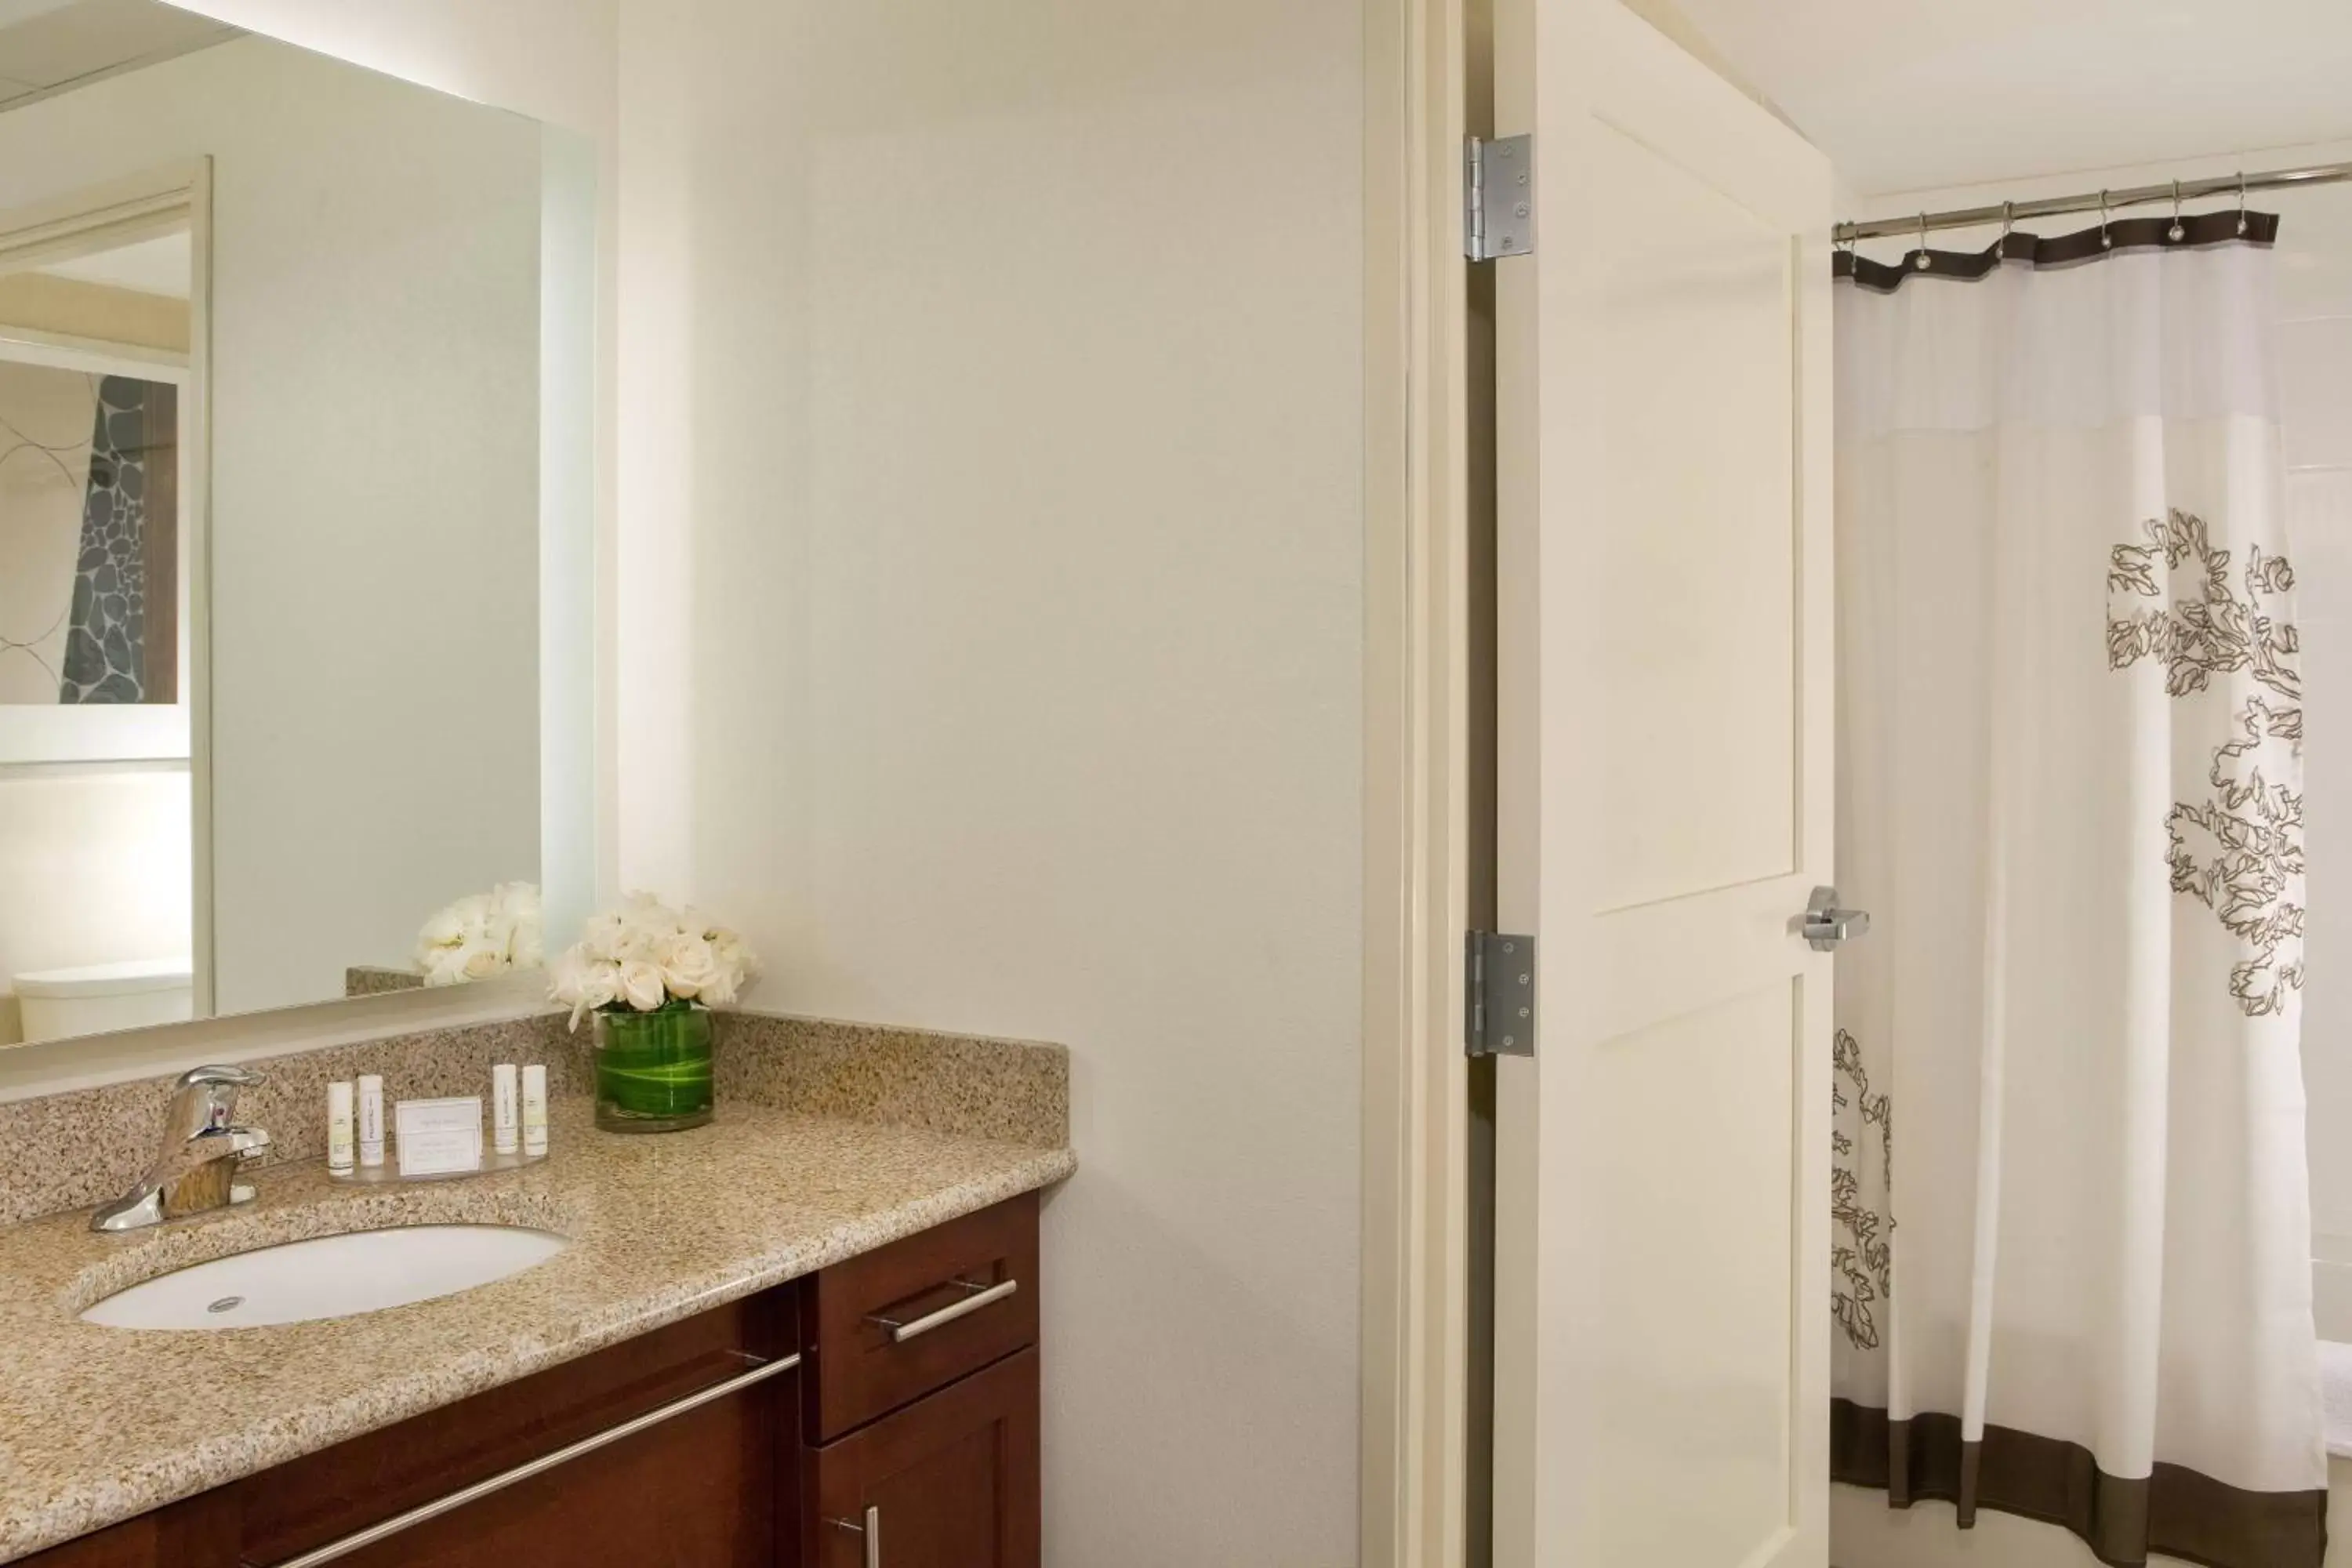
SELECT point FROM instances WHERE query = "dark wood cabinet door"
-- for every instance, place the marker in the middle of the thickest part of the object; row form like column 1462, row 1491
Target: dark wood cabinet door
column 697, row 1490
column 950, row 1481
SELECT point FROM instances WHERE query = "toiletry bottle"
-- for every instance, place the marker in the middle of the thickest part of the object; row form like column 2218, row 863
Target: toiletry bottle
column 339, row 1126
column 371, row 1120
column 534, row 1111
column 503, row 1113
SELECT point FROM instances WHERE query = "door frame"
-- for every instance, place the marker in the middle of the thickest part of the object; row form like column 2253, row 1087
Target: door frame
column 1414, row 1320
column 94, row 218
column 1419, row 726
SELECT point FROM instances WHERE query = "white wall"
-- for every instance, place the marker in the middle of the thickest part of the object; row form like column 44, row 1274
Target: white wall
column 552, row 59
column 2315, row 347
column 118, row 838
column 998, row 370
column 375, row 457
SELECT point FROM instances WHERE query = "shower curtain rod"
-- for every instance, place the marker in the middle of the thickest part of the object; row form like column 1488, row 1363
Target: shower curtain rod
column 2094, row 201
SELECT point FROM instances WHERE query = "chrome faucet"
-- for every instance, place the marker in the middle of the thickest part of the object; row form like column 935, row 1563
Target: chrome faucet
column 195, row 1170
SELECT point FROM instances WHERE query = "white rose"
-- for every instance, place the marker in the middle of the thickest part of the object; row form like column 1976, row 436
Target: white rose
column 517, row 901
column 473, row 914
column 688, row 967
column 584, row 984
column 642, row 985
column 525, row 947
column 602, row 938
column 443, row 929
column 733, row 957
column 641, row 935
column 480, row 960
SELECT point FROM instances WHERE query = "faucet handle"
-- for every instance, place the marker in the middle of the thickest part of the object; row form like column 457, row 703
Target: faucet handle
column 205, row 1097
column 238, row 1077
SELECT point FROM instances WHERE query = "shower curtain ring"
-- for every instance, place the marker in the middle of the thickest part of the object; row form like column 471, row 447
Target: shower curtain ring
column 1920, row 259
column 2178, row 232
column 2106, row 240
column 2007, row 222
column 2242, row 203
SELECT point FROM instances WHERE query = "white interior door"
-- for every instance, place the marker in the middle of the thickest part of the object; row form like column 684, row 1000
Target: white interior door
column 1664, row 794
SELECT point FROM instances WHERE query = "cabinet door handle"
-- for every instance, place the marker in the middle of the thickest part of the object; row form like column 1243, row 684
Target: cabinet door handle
column 418, row 1515
column 871, row 1530
column 981, row 1296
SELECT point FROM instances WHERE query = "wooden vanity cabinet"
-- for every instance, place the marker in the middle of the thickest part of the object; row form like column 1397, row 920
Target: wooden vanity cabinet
column 950, row 1481
column 912, row 1418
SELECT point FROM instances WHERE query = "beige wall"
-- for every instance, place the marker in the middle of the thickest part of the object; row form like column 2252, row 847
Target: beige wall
column 990, row 399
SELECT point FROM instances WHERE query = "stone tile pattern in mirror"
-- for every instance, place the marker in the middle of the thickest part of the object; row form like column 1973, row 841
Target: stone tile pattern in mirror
column 81, row 1148
column 106, row 654
column 46, row 418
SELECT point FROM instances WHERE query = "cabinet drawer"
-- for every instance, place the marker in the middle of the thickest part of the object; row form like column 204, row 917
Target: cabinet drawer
column 322, row 1497
column 950, row 1481
column 887, row 1328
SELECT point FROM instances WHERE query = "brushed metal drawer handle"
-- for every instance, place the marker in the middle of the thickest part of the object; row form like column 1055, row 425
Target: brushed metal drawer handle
column 871, row 1530
column 981, row 1296
column 544, row 1463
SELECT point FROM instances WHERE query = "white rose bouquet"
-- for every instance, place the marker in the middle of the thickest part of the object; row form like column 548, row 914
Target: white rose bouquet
column 646, row 957
column 482, row 935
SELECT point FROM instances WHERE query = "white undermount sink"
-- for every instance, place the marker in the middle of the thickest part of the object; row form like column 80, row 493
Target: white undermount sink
column 328, row 1277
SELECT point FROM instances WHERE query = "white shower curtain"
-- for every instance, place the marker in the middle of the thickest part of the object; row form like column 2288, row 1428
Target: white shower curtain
column 2072, row 1219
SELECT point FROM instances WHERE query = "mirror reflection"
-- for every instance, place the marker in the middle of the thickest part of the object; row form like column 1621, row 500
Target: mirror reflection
column 285, row 489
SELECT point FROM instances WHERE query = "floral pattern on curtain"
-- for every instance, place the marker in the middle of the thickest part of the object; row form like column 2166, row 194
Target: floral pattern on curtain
column 2070, row 767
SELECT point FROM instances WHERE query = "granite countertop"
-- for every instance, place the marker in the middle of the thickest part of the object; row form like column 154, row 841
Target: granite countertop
column 97, row 1424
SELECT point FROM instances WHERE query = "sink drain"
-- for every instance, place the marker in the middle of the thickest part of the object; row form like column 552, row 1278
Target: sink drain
column 226, row 1304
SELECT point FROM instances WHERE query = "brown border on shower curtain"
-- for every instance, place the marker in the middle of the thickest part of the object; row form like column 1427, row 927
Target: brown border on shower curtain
column 2177, row 1512
column 2122, row 234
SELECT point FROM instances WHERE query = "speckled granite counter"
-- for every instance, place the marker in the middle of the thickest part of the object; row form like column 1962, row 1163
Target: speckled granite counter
column 97, row 1424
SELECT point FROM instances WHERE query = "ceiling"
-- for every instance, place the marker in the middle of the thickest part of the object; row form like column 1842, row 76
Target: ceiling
column 1914, row 94
column 159, row 265
column 46, row 45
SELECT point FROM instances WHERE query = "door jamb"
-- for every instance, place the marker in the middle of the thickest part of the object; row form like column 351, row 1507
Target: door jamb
column 1414, row 1315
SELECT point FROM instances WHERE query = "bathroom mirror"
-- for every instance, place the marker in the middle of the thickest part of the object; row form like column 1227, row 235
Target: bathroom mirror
column 296, row 460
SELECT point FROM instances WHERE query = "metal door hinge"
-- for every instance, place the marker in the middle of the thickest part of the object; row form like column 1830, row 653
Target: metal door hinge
column 1499, row 971
column 1498, row 197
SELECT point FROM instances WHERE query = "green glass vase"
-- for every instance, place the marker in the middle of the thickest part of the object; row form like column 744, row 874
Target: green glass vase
column 653, row 1069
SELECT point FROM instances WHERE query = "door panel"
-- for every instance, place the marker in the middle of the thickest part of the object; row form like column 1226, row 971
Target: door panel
column 1692, row 1374
column 1691, row 302
column 1663, row 793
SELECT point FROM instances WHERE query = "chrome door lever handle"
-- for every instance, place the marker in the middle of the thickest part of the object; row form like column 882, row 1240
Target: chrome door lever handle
column 1826, row 925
